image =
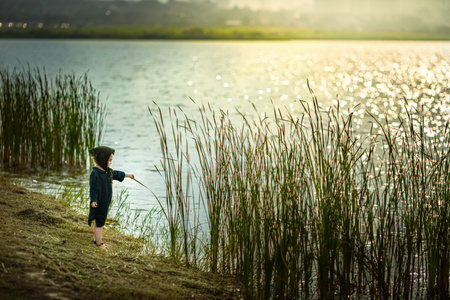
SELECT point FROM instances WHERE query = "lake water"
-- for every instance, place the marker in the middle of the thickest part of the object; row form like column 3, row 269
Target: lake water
column 130, row 75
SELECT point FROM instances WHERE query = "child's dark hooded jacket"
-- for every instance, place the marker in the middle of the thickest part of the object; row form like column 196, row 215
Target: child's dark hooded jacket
column 100, row 184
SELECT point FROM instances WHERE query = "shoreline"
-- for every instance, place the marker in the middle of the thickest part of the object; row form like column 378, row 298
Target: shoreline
column 214, row 33
column 47, row 253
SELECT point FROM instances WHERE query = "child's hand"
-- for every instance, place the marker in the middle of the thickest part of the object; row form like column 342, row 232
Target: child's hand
column 94, row 204
column 129, row 176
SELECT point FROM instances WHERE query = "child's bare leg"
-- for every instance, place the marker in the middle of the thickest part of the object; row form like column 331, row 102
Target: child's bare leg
column 98, row 234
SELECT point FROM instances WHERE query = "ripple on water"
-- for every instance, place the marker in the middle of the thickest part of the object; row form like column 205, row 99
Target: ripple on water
column 375, row 77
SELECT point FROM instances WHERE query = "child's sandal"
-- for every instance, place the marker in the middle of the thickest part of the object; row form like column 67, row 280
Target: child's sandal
column 102, row 245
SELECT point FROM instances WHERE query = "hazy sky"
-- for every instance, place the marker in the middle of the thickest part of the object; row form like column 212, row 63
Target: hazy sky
column 272, row 4
column 430, row 9
column 258, row 4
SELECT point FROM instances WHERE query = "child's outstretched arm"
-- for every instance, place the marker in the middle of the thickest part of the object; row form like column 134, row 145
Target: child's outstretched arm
column 129, row 175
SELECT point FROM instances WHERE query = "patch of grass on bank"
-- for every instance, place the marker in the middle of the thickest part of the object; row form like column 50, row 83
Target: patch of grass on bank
column 210, row 33
column 47, row 251
column 147, row 226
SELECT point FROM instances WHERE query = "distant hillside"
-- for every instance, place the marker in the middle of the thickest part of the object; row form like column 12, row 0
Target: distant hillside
column 81, row 13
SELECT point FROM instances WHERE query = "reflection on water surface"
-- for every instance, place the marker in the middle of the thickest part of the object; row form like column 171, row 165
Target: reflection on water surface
column 373, row 76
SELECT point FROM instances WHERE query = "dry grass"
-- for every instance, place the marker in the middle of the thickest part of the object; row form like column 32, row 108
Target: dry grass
column 47, row 251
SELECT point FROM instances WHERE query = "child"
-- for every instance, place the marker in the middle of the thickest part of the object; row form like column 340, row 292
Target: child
column 100, row 185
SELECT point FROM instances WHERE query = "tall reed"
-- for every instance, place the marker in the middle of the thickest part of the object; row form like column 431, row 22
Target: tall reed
column 47, row 122
column 177, row 172
column 301, row 207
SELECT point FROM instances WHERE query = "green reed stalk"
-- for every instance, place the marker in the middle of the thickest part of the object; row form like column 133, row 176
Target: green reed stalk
column 47, row 123
column 414, row 177
column 177, row 172
column 299, row 207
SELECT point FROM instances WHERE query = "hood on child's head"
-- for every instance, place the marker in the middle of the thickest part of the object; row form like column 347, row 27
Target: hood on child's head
column 101, row 155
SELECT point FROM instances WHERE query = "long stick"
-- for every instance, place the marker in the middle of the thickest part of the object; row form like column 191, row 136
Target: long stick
column 162, row 207
column 141, row 183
